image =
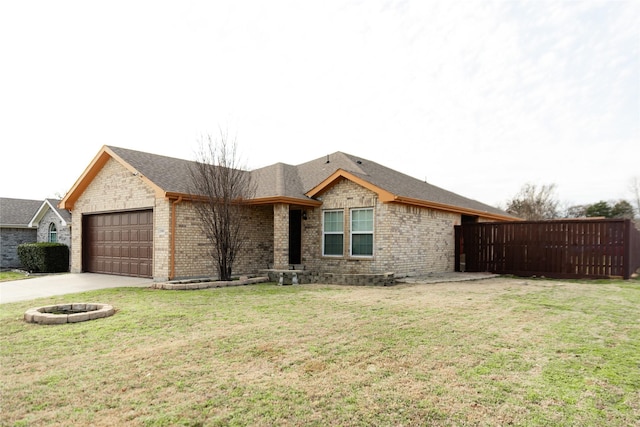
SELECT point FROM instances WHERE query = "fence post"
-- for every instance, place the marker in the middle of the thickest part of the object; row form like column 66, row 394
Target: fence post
column 626, row 261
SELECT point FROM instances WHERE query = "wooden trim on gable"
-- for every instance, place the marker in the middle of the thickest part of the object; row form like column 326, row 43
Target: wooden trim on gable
column 92, row 171
column 388, row 197
column 454, row 209
column 85, row 179
column 159, row 192
column 334, row 178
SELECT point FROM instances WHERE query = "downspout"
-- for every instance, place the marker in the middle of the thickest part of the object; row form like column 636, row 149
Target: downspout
column 172, row 257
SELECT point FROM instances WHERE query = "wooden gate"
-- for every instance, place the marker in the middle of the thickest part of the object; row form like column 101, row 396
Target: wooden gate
column 562, row 249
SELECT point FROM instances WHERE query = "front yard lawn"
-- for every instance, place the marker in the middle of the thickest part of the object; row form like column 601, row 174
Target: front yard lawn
column 493, row 352
column 6, row 276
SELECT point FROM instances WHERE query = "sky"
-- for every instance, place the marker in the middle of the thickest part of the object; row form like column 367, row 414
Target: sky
column 477, row 97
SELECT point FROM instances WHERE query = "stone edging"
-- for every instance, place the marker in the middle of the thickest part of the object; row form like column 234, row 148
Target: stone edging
column 85, row 311
column 208, row 283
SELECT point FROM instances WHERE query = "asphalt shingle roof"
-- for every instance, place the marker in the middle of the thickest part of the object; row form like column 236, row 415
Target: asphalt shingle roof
column 283, row 180
column 17, row 212
column 169, row 173
column 64, row 214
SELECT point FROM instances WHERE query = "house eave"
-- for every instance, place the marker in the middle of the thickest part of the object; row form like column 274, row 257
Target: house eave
column 271, row 200
column 21, row 226
column 451, row 208
column 285, row 200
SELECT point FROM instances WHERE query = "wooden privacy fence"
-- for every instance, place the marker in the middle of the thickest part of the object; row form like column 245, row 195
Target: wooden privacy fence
column 561, row 249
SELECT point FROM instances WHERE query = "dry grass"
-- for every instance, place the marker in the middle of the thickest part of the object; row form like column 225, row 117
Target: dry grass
column 494, row 352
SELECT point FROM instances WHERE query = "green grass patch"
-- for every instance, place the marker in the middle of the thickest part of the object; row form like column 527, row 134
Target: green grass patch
column 6, row 276
column 496, row 352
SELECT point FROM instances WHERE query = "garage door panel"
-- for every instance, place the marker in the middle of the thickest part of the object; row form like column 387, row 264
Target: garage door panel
column 119, row 243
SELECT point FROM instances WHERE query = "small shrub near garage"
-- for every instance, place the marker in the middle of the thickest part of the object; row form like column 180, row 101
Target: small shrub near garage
column 44, row 257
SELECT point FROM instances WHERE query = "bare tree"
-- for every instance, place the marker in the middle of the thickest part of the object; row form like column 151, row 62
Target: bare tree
column 634, row 186
column 222, row 189
column 576, row 211
column 533, row 203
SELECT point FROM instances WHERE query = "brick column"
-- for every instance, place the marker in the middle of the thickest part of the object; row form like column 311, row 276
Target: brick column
column 280, row 235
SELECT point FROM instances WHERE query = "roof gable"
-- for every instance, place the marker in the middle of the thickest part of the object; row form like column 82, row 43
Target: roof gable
column 335, row 177
column 397, row 187
column 139, row 163
column 63, row 215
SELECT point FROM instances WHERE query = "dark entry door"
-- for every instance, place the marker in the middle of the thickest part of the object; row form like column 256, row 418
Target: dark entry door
column 295, row 237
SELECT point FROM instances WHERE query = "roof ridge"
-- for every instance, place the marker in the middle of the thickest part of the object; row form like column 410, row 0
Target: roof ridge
column 147, row 153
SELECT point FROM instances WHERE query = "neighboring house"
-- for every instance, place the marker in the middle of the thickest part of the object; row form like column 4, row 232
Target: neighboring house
column 53, row 224
column 338, row 215
column 28, row 221
column 15, row 215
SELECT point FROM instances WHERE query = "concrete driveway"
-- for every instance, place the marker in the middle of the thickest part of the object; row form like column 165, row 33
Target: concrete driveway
column 67, row 283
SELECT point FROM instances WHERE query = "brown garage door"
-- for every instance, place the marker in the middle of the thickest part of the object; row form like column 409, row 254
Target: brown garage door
column 119, row 243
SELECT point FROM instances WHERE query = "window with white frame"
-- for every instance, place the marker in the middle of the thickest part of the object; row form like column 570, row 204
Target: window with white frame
column 333, row 233
column 362, row 232
column 53, row 233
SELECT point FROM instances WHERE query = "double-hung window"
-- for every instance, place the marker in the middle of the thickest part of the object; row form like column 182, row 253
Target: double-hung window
column 333, row 233
column 362, row 232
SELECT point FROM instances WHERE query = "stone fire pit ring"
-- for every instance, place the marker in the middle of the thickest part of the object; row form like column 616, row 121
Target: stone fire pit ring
column 68, row 313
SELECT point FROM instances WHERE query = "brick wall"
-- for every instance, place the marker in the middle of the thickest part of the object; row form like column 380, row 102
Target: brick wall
column 281, row 235
column 343, row 195
column 415, row 241
column 194, row 251
column 64, row 232
column 192, row 247
column 161, row 236
column 116, row 189
column 10, row 238
column 407, row 240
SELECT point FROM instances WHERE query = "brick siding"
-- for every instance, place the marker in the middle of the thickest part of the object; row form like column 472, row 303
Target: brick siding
column 64, row 232
column 10, row 239
column 116, row 189
column 194, row 252
column 407, row 240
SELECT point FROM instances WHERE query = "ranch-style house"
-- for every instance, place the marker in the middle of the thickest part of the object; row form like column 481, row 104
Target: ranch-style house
column 337, row 218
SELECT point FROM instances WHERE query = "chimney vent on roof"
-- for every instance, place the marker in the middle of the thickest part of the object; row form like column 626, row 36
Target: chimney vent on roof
column 328, row 159
column 359, row 162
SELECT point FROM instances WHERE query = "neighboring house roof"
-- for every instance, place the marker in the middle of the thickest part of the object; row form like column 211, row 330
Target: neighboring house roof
column 170, row 177
column 63, row 214
column 17, row 213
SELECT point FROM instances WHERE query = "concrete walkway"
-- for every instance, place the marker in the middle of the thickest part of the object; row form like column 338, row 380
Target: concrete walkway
column 66, row 283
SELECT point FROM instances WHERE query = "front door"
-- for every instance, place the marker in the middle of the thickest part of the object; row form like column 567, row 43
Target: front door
column 295, row 237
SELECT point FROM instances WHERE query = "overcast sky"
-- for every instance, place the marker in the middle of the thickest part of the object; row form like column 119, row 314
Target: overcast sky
column 476, row 97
